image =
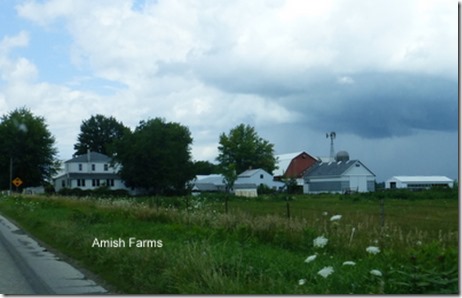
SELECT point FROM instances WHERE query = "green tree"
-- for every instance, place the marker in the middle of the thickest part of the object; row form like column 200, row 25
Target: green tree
column 229, row 178
column 156, row 157
column 98, row 134
column 205, row 168
column 27, row 148
column 245, row 149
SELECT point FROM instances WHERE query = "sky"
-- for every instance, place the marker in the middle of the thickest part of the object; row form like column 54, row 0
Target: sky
column 382, row 74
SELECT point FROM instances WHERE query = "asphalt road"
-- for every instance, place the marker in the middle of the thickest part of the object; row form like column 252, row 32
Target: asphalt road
column 12, row 279
column 28, row 268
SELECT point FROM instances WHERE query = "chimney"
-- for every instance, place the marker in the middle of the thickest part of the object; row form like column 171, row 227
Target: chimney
column 88, row 155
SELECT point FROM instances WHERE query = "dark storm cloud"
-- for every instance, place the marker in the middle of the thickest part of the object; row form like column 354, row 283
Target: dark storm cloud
column 370, row 105
column 378, row 105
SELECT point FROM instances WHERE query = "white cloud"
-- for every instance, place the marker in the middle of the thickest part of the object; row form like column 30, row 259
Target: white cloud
column 47, row 12
column 273, row 40
column 7, row 43
column 15, row 69
column 19, row 70
column 345, row 80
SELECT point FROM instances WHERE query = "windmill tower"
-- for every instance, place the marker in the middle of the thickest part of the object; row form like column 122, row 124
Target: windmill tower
column 332, row 136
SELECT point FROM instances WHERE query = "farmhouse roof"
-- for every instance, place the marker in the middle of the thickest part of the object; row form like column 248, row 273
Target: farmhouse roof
column 90, row 157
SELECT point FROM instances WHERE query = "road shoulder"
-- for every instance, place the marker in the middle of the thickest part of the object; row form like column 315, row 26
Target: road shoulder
column 48, row 274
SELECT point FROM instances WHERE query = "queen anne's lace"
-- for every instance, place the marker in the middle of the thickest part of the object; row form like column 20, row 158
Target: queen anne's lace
column 373, row 250
column 320, row 241
column 326, row 271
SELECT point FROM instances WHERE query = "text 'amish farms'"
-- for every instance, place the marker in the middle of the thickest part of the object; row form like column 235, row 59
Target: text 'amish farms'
column 131, row 242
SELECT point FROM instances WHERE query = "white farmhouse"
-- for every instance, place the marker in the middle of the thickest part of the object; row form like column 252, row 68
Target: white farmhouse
column 418, row 182
column 89, row 171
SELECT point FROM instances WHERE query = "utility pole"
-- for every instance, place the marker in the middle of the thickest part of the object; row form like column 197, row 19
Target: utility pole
column 11, row 174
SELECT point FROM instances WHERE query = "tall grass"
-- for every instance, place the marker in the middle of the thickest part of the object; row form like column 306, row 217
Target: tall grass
column 254, row 248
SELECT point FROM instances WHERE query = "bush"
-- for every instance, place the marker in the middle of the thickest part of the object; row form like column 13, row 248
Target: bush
column 437, row 193
column 103, row 192
column 263, row 189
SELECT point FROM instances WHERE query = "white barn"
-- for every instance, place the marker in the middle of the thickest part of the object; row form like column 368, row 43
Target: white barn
column 418, row 182
column 339, row 176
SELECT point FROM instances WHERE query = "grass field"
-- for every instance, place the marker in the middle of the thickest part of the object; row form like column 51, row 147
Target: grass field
column 268, row 245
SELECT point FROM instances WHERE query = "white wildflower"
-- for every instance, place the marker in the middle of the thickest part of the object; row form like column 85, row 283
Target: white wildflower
column 336, row 217
column 349, row 263
column 310, row 259
column 301, row 282
column 325, row 213
column 376, row 272
column 326, row 271
column 320, row 241
column 373, row 250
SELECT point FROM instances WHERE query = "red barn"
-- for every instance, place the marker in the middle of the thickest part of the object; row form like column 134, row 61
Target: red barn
column 293, row 165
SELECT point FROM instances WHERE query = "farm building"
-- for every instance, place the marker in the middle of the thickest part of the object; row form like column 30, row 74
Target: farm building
column 89, row 171
column 246, row 183
column 340, row 175
column 293, row 165
column 418, row 182
column 209, row 183
column 245, row 190
column 258, row 177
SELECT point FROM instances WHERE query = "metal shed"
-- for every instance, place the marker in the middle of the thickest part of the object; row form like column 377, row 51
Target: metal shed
column 418, row 182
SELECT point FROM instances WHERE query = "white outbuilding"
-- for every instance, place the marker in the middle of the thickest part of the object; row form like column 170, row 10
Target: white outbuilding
column 259, row 177
column 418, row 182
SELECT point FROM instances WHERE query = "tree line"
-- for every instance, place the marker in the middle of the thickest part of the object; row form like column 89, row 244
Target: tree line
column 156, row 155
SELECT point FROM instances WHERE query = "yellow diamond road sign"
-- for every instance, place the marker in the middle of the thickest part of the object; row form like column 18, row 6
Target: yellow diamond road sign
column 17, row 181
